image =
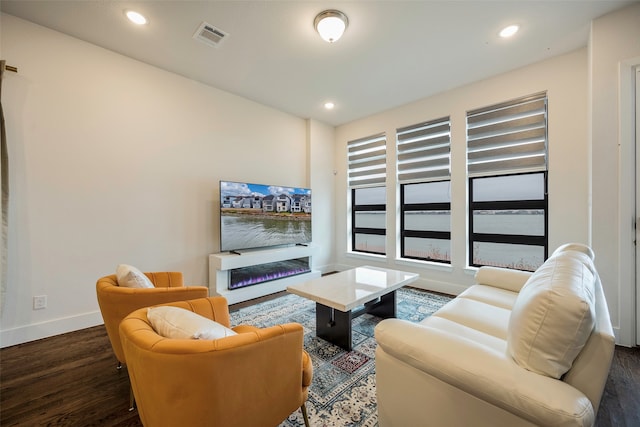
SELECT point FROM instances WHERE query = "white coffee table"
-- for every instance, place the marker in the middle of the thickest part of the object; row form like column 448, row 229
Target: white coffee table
column 341, row 297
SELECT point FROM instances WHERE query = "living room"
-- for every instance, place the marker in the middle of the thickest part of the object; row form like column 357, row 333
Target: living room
column 116, row 161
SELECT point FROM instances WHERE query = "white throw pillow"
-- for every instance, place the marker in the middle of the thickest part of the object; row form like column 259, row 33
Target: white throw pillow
column 130, row 277
column 554, row 314
column 179, row 323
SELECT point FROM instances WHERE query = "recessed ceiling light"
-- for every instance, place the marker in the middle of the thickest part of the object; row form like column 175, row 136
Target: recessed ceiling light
column 329, row 105
column 135, row 17
column 509, row 31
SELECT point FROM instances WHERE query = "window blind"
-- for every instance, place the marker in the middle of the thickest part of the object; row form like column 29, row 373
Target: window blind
column 367, row 161
column 424, row 151
column 508, row 137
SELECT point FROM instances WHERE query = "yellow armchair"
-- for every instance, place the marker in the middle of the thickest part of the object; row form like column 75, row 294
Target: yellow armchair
column 116, row 302
column 255, row 378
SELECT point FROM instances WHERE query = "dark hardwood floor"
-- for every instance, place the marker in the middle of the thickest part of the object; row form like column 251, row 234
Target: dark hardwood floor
column 66, row 380
column 620, row 405
column 72, row 380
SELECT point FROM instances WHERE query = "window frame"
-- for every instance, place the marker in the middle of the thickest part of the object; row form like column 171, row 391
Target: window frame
column 366, row 230
column 516, row 239
column 424, row 234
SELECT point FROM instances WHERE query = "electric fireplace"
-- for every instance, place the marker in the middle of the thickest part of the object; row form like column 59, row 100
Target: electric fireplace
column 256, row 274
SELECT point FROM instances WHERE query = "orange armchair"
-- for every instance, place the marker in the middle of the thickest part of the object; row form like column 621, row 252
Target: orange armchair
column 117, row 302
column 255, row 378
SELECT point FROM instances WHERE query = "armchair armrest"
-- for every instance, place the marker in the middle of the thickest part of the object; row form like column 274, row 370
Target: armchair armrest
column 307, row 365
column 485, row 372
column 505, row 278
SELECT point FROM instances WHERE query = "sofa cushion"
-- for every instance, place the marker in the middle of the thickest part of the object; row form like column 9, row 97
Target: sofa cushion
column 477, row 315
column 178, row 323
column 130, row 277
column 489, row 295
column 554, row 314
column 503, row 278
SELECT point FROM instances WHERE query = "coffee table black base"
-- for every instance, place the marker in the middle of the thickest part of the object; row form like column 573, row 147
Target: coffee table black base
column 335, row 326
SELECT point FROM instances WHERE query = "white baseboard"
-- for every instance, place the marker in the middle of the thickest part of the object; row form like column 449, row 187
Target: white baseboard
column 23, row 334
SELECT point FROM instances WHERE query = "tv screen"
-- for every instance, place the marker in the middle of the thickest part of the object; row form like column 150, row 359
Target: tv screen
column 259, row 215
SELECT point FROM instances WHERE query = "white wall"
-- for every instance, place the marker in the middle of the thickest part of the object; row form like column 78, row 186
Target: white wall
column 114, row 161
column 320, row 167
column 614, row 50
column 565, row 80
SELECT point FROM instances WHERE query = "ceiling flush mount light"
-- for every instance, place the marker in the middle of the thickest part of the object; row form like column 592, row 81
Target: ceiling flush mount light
column 331, row 24
column 329, row 105
column 509, row 31
column 135, row 17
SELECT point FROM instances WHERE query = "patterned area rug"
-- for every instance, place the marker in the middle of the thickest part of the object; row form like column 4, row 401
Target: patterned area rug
column 343, row 391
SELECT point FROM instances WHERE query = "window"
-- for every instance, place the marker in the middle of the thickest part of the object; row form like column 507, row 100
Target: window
column 369, row 220
column 508, row 221
column 367, row 160
column 423, row 159
column 508, row 200
column 426, row 221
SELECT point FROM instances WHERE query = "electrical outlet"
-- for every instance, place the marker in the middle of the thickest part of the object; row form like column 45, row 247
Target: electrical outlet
column 39, row 302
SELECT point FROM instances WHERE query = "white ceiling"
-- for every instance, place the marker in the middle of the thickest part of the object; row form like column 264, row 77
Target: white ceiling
column 392, row 53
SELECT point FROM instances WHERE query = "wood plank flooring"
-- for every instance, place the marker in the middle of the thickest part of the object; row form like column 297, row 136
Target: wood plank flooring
column 72, row 380
column 620, row 405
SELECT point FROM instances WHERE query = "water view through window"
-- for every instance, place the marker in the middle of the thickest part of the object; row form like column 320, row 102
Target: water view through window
column 520, row 256
column 426, row 221
column 509, row 220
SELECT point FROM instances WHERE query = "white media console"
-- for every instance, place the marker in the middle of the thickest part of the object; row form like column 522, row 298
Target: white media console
column 221, row 264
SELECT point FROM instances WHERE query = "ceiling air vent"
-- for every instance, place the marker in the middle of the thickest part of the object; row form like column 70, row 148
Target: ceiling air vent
column 210, row 35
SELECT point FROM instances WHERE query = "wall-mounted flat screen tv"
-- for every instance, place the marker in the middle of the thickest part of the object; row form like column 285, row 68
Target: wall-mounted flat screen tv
column 260, row 215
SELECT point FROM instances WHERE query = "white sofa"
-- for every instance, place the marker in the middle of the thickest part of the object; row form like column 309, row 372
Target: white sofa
column 515, row 349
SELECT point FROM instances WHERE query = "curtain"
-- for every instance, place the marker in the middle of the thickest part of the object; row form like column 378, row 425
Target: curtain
column 4, row 173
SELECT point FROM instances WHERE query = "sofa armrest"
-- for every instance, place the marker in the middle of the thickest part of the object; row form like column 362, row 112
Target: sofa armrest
column 504, row 278
column 590, row 370
column 484, row 372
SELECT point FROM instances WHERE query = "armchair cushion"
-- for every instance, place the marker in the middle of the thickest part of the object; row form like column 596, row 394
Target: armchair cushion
column 554, row 314
column 130, row 277
column 178, row 323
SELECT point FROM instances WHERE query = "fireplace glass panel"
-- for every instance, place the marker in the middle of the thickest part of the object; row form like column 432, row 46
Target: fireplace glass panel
column 256, row 274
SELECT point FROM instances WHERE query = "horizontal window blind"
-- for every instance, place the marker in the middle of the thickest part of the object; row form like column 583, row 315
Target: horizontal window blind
column 367, row 161
column 424, row 151
column 508, row 137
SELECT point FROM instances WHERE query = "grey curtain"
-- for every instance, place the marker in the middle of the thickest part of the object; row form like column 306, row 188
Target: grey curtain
column 4, row 172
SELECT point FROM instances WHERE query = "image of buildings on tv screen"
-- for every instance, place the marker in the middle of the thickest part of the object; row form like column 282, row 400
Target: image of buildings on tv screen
column 257, row 215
